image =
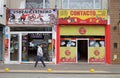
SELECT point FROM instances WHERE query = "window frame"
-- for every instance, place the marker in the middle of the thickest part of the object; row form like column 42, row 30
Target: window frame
column 44, row 4
column 94, row 1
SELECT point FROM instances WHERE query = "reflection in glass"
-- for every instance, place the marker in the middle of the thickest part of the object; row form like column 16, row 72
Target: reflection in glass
column 14, row 47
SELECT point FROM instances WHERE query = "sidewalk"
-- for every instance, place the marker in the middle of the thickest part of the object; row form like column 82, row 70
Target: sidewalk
column 61, row 68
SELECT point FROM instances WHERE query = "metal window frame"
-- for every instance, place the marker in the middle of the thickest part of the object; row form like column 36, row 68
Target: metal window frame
column 43, row 3
column 68, row 2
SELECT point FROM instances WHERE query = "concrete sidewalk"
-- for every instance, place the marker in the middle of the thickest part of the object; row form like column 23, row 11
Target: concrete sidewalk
column 61, row 68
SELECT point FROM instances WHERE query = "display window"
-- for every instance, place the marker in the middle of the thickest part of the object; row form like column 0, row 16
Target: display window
column 23, row 45
column 68, row 50
column 30, row 44
column 96, row 51
column 14, row 47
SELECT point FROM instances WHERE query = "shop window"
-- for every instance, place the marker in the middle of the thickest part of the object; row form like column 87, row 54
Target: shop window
column 96, row 43
column 30, row 42
column 115, row 45
column 81, row 4
column 37, row 4
column 68, row 43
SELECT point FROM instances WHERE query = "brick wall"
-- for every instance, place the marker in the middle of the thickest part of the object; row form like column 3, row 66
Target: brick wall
column 115, row 31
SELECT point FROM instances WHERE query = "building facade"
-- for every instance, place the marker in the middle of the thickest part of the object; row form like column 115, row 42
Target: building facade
column 115, row 31
column 73, row 31
column 29, row 23
column 83, row 35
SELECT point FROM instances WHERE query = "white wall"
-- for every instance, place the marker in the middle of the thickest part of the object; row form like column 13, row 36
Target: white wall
column 2, row 12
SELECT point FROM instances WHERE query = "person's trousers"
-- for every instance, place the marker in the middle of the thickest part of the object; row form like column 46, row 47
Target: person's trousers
column 41, row 59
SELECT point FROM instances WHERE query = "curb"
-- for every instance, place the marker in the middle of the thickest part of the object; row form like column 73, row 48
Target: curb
column 55, row 71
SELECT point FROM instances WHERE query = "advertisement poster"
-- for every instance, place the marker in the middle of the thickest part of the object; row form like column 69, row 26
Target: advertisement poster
column 96, row 54
column 31, row 16
column 96, row 51
column 82, row 16
column 67, row 54
column 68, row 51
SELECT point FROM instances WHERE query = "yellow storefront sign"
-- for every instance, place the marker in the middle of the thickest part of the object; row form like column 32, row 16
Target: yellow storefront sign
column 82, row 30
column 82, row 16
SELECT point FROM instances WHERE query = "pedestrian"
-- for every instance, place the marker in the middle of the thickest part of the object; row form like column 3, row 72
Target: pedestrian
column 40, row 56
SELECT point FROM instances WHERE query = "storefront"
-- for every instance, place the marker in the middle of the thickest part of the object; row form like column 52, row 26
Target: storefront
column 83, row 36
column 25, row 30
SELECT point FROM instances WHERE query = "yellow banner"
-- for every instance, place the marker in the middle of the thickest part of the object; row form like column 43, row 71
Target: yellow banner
column 82, row 30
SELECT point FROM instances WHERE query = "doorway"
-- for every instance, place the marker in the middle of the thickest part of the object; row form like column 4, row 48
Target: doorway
column 82, row 50
column 14, row 48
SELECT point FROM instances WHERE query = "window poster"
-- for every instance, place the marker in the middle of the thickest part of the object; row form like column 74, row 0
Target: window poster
column 96, row 51
column 68, row 51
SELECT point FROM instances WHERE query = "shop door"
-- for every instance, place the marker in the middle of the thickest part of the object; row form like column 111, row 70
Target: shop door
column 15, row 48
column 82, row 50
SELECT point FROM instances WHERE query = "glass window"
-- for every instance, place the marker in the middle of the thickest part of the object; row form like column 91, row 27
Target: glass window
column 68, row 43
column 14, row 47
column 115, row 45
column 96, row 43
column 98, row 4
column 47, row 4
column 81, row 4
column 65, row 4
column 37, row 4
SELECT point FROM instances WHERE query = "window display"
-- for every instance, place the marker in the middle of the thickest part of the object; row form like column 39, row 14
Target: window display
column 24, row 47
column 96, row 51
column 30, row 42
column 68, row 50
column 14, row 47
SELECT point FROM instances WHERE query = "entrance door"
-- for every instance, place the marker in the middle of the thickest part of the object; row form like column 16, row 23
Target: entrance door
column 14, row 48
column 82, row 50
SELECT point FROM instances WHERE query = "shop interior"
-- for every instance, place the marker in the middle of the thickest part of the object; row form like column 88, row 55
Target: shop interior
column 30, row 44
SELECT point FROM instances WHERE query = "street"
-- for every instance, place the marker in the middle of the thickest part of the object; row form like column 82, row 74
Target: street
column 46, row 75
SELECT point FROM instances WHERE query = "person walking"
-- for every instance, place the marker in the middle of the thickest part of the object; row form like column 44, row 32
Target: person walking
column 40, row 56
